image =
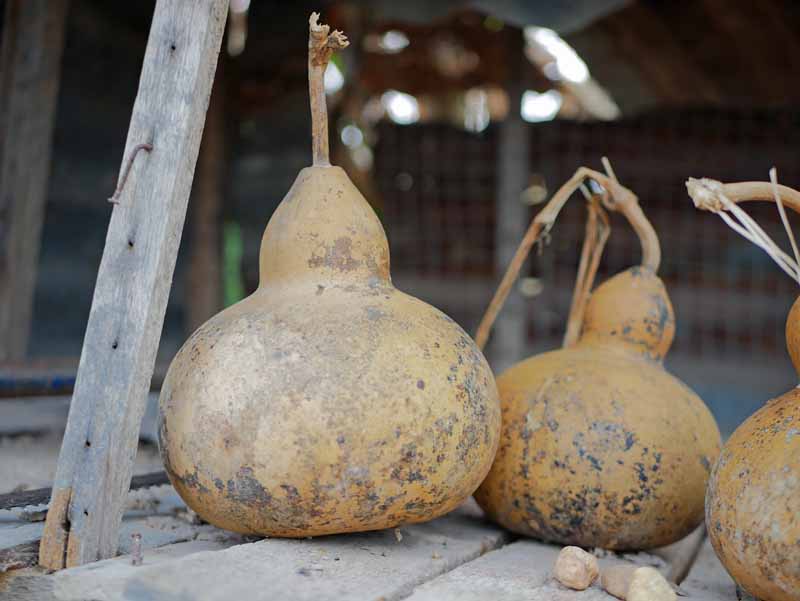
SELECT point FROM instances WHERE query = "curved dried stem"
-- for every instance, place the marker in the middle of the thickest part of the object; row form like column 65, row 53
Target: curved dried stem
column 712, row 195
column 321, row 45
column 618, row 198
column 598, row 228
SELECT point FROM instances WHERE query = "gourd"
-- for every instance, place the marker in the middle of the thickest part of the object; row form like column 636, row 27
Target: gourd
column 600, row 445
column 328, row 401
column 753, row 500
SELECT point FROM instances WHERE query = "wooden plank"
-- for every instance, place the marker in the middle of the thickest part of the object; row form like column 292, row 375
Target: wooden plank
column 30, row 69
column 41, row 496
column 373, row 565
column 40, row 379
column 522, row 571
column 31, row 586
column 38, row 415
column 155, row 514
column 22, row 556
column 133, row 283
column 19, row 547
column 45, row 382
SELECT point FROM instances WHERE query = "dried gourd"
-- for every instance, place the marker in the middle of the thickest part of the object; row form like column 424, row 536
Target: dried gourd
column 753, row 499
column 327, row 401
column 600, row 445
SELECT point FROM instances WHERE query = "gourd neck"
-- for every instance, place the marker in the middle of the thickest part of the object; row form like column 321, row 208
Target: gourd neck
column 631, row 312
column 324, row 231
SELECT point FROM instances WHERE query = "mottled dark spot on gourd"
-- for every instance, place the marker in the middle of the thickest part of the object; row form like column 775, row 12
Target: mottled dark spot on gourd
column 641, row 473
column 246, row 489
column 421, row 384
column 415, row 476
column 389, row 501
column 597, row 464
column 657, row 465
column 630, row 506
column 337, row 256
column 191, row 480
column 569, row 512
column 664, row 315
column 291, row 491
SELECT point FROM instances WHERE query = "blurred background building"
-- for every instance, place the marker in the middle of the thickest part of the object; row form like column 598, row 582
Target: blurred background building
column 455, row 119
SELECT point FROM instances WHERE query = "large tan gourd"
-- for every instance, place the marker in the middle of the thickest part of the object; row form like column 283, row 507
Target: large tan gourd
column 327, row 401
column 600, row 445
column 753, row 500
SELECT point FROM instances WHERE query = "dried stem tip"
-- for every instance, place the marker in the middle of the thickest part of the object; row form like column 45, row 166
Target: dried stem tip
column 706, row 194
column 321, row 45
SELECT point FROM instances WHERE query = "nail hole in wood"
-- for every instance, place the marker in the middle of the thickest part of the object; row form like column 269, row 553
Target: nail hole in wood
column 86, row 512
column 114, row 345
column 88, row 444
column 172, row 47
column 130, row 243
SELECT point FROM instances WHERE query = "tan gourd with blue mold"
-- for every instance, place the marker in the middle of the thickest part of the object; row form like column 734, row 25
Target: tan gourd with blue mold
column 753, row 501
column 327, row 401
column 600, row 445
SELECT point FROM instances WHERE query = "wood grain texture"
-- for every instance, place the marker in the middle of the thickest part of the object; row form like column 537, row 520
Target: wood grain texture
column 133, row 284
column 30, row 69
column 522, row 571
column 456, row 557
column 371, row 565
column 41, row 496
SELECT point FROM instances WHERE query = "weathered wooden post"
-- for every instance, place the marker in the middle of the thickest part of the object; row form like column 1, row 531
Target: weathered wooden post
column 133, row 283
column 513, row 168
column 30, row 69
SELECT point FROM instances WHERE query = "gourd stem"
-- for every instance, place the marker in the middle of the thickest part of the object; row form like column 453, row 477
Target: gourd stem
column 618, row 198
column 706, row 193
column 712, row 195
column 321, row 44
column 598, row 229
